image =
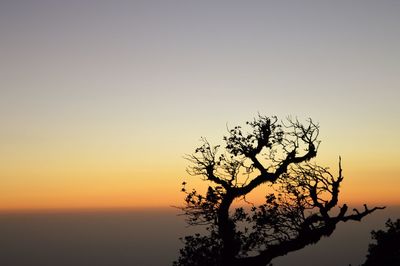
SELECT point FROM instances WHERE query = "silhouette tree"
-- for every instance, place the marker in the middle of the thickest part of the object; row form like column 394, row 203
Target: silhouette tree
column 386, row 249
column 300, row 199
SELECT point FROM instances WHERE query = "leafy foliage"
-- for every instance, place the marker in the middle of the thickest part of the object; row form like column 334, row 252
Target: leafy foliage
column 200, row 250
column 386, row 249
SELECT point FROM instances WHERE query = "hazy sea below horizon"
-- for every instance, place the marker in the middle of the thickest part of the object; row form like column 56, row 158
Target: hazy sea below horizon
column 148, row 238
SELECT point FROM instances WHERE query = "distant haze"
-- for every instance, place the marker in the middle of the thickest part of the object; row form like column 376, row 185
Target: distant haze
column 148, row 238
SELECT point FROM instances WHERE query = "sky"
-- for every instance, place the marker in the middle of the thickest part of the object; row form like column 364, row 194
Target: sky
column 101, row 100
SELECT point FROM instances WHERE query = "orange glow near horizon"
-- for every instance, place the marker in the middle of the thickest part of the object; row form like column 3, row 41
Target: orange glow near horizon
column 114, row 183
column 95, row 180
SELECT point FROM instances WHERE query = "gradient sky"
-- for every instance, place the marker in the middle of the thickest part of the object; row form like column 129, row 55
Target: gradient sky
column 100, row 100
